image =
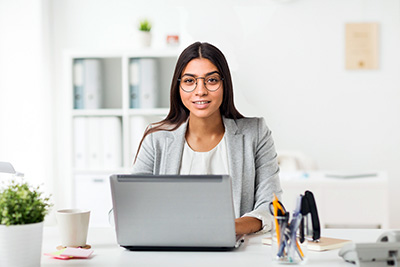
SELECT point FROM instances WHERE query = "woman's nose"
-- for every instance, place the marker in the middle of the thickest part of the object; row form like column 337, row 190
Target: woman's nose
column 201, row 88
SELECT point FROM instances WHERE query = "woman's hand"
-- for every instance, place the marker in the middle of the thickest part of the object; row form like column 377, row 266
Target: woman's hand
column 247, row 225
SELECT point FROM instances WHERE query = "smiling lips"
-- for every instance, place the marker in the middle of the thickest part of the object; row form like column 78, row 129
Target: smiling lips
column 201, row 104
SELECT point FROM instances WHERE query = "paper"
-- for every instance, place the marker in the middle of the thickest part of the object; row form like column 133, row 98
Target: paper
column 77, row 252
column 361, row 46
column 70, row 253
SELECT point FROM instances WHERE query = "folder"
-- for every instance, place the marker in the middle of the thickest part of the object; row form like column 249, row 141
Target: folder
column 78, row 83
column 134, row 81
column 111, row 142
column 92, row 84
column 94, row 143
column 138, row 125
column 80, row 142
column 148, row 83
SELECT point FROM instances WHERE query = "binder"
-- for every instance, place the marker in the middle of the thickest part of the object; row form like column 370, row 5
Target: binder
column 78, row 83
column 134, row 81
column 92, row 85
column 148, row 83
column 111, row 142
column 80, row 142
column 94, row 143
column 97, row 142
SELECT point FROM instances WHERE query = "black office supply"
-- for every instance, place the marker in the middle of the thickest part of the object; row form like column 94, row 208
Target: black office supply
column 309, row 206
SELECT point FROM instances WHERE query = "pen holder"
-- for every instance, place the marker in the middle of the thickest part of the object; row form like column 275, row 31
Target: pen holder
column 286, row 246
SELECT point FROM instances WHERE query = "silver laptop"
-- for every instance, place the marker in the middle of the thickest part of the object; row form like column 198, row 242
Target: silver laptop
column 174, row 212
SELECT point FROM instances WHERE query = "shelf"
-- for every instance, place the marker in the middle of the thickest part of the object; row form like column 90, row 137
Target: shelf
column 149, row 112
column 143, row 52
column 96, row 112
column 100, row 172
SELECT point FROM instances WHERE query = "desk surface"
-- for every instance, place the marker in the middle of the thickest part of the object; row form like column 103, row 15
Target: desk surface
column 251, row 253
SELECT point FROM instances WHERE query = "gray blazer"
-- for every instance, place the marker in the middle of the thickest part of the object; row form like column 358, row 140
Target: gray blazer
column 252, row 162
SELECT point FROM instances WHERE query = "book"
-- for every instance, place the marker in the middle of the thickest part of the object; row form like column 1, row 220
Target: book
column 325, row 243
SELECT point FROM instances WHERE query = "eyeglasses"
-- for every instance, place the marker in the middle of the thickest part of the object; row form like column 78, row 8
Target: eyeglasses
column 212, row 82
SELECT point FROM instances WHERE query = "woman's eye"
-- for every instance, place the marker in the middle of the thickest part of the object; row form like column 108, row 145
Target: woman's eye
column 212, row 80
column 188, row 80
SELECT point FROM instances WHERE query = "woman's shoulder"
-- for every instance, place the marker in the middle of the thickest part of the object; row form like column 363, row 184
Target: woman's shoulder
column 165, row 130
column 250, row 123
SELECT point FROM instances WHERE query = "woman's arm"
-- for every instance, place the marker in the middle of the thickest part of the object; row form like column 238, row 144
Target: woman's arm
column 144, row 163
column 266, row 176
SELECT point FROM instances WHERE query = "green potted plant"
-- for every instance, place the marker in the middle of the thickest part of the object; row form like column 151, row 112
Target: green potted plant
column 145, row 25
column 22, row 211
column 144, row 33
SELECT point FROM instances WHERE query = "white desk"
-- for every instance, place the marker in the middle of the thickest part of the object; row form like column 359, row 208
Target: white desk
column 251, row 253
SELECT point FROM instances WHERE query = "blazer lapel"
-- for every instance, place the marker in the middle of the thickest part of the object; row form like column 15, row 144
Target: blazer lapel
column 234, row 141
column 174, row 149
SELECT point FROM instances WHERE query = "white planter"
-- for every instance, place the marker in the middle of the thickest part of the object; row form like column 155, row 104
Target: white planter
column 144, row 39
column 21, row 245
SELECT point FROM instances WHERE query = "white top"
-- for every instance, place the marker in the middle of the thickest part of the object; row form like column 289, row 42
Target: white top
column 214, row 161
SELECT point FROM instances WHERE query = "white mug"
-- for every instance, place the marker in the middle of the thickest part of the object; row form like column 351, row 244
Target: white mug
column 73, row 225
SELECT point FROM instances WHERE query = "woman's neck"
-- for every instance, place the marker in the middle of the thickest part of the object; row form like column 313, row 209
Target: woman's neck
column 203, row 134
column 206, row 126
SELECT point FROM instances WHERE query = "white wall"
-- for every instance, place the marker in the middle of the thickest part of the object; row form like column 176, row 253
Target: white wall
column 26, row 128
column 287, row 59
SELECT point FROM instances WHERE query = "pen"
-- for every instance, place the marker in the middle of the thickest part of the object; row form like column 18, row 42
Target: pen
column 275, row 204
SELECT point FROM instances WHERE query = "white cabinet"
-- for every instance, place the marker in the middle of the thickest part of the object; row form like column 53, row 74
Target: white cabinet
column 92, row 191
column 341, row 202
column 106, row 123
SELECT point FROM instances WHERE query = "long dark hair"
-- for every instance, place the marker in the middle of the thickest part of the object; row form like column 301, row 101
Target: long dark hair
column 178, row 113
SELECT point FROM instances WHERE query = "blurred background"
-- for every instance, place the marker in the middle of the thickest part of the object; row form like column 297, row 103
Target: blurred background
column 287, row 59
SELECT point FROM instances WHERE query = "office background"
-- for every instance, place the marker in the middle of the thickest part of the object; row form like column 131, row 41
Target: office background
column 287, row 59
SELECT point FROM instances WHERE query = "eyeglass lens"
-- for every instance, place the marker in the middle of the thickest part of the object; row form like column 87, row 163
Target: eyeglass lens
column 189, row 83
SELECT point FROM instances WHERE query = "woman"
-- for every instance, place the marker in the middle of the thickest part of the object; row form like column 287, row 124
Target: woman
column 205, row 134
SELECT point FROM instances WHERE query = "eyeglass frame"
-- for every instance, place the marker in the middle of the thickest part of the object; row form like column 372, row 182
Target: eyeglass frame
column 204, row 79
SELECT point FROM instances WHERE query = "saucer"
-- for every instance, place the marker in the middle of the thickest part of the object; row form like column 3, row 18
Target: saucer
column 84, row 247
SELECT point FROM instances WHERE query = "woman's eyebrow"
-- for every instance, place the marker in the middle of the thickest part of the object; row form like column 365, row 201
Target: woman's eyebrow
column 210, row 73
column 207, row 74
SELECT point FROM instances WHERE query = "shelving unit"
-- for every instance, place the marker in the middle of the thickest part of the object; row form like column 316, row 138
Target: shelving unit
column 88, row 186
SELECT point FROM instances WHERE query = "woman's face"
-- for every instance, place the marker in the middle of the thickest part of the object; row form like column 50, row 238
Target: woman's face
column 201, row 102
